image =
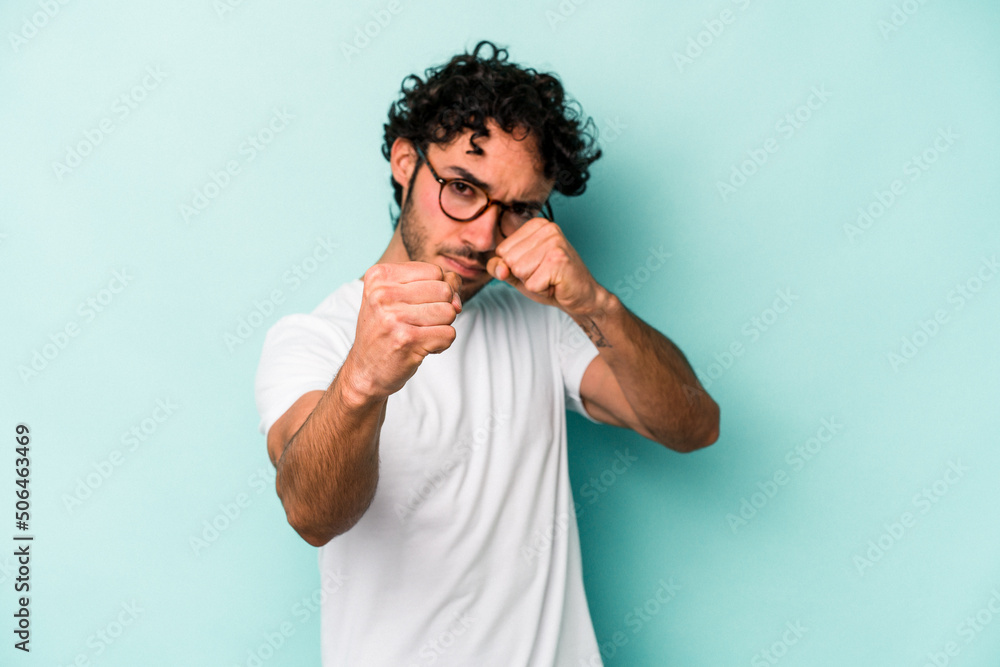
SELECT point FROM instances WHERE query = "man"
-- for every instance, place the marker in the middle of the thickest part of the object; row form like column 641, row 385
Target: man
column 419, row 434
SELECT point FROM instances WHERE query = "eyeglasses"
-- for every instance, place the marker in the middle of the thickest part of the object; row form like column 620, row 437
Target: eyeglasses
column 464, row 201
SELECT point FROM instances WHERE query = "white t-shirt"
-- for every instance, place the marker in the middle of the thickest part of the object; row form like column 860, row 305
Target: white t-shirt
column 469, row 552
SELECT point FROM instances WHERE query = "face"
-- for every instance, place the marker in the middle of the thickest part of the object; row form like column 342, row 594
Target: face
column 512, row 170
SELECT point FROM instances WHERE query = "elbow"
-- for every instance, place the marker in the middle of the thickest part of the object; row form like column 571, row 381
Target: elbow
column 316, row 528
column 708, row 438
column 307, row 529
column 313, row 539
column 302, row 522
column 708, row 430
column 701, row 434
column 313, row 533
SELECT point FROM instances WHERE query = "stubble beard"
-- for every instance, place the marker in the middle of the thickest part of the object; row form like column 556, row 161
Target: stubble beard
column 414, row 237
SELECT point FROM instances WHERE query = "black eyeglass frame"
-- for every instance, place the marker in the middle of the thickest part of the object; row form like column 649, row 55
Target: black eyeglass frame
column 546, row 207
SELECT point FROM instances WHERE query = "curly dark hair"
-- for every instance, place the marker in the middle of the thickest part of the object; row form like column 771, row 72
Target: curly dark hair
column 468, row 90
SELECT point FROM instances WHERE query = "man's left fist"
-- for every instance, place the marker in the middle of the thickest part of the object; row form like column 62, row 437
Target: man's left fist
column 539, row 261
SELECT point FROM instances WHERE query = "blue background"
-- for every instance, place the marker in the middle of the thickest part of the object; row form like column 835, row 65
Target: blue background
column 686, row 97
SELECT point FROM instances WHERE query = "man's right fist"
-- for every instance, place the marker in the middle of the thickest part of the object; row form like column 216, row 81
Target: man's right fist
column 406, row 313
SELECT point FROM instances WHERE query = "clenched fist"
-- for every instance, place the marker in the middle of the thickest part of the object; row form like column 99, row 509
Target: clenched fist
column 406, row 313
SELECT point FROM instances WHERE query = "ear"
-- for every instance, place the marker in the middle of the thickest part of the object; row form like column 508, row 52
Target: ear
column 403, row 160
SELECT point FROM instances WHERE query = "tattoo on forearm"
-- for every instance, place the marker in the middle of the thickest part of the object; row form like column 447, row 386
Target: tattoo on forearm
column 595, row 334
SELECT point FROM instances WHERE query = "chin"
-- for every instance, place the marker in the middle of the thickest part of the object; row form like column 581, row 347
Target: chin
column 470, row 290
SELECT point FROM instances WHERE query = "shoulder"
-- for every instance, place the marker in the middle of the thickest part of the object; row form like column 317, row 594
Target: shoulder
column 335, row 318
column 345, row 301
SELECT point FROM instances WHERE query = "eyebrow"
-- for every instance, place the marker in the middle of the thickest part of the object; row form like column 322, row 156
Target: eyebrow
column 467, row 176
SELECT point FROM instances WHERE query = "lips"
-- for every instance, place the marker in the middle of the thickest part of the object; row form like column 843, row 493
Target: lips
column 464, row 269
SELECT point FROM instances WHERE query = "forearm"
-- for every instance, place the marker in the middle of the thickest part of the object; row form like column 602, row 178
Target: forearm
column 328, row 471
column 655, row 376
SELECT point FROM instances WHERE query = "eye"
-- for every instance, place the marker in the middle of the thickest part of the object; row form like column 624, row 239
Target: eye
column 523, row 211
column 462, row 189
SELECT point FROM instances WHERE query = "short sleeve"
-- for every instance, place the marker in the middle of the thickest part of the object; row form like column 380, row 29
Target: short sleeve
column 301, row 353
column 576, row 351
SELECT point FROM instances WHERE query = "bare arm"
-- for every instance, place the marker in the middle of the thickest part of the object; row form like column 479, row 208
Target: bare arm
column 641, row 380
column 325, row 447
column 327, row 469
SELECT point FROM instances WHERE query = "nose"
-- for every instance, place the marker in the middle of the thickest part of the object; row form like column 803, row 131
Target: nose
column 480, row 233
